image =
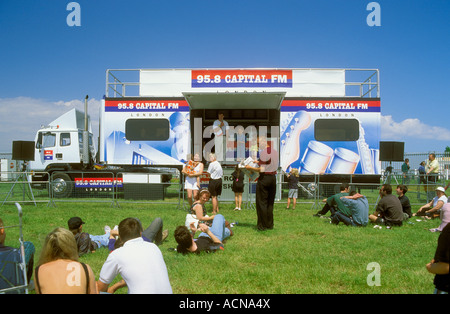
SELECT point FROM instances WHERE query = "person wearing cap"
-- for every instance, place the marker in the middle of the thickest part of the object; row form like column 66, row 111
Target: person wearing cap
column 86, row 242
column 435, row 205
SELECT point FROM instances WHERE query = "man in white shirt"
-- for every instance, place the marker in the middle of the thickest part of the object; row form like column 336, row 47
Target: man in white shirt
column 215, row 181
column 220, row 128
column 140, row 264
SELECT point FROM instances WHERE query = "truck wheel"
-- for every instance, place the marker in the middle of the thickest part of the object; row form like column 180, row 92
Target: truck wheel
column 62, row 185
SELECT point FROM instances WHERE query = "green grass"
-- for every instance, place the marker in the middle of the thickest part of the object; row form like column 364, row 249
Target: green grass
column 302, row 254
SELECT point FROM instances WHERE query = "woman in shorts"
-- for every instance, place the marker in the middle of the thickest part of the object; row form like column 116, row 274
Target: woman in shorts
column 192, row 171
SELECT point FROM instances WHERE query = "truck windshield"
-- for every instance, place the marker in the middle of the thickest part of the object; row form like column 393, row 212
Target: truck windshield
column 46, row 140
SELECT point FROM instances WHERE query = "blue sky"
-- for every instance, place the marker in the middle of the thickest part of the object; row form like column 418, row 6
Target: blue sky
column 47, row 67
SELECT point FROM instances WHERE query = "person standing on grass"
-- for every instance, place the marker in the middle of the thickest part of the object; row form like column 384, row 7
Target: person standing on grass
column 293, row 188
column 432, row 168
column 192, row 171
column 389, row 210
column 238, row 186
column 140, row 263
column 266, row 186
column 439, row 265
column 405, row 171
column 215, row 182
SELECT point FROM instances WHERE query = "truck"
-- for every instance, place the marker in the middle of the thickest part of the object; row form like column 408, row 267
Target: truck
column 322, row 121
column 65, row 154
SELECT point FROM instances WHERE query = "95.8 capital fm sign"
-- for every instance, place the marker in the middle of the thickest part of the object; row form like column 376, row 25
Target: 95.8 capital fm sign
column 241, row 78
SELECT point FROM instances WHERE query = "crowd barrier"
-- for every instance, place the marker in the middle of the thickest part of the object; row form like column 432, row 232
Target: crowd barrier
column 116, row 188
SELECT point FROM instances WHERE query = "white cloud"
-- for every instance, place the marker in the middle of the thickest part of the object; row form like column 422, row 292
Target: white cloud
column 412, row 129
column 21, row 117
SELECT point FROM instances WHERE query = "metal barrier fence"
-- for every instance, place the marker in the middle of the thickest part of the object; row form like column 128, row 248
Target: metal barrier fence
column 113, row 189
column 17, row 187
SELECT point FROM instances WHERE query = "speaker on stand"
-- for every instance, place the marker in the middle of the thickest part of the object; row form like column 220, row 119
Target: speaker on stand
column 391, row 151
column 22, row 151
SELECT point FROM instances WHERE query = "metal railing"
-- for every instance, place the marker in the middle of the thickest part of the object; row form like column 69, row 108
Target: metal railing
column 366, row 82
column 111, row 189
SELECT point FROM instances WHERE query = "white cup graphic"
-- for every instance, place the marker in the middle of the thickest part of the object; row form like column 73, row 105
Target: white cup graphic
column 316, row 158
column 344, row 161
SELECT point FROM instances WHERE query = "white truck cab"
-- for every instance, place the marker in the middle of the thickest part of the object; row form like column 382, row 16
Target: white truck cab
column 60, row 144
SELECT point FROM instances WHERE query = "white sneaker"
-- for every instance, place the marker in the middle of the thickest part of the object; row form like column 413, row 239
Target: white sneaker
column 107, row 229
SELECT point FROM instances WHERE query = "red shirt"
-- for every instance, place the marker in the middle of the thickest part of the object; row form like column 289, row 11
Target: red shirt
column 268, row 161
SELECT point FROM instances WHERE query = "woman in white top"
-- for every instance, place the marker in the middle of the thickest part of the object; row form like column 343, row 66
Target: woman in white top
column 192, row 171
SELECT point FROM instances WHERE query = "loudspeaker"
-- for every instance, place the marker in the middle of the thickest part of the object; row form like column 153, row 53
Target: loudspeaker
column 23, row 150
column 392, row 151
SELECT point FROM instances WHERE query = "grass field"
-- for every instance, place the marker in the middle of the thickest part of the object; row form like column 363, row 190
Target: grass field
column 301, row 255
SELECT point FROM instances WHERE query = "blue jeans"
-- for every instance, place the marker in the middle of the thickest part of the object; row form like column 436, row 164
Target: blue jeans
column 100, row 240
column 340, row 217
column 218, row 228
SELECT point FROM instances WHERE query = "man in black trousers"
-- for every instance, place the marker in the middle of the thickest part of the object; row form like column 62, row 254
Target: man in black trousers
column 267, row 184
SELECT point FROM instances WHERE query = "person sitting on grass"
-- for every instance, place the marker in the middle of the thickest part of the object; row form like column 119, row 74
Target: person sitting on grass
column 198, row 208
column 358, row 215
column 153, row 234
column 444, row 216
column 404, row 200
column 333, row 203
column 59, row 271
column 210, row 240
column 28, row 248
column 139, row 263
column 86, row 242
column 389, row 211
column 432, row 208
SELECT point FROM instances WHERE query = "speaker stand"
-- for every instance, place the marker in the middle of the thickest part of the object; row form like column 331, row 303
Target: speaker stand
column 388, row 177
column 21, row 178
